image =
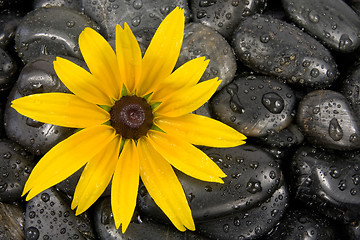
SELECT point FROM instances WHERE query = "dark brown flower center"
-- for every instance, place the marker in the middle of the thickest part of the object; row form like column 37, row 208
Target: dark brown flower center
column 131, row 117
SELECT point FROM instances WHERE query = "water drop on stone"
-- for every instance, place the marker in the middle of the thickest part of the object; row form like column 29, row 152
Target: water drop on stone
column 45, row 197
column 314, row 72
column 32, row 233
column 137, row 4
column 335, row 130
column 345, row 42
column 273, row 102
column 342, row 185
column 226, row 228
column 253, row 186
column 313, row 16
column 334, row 172
column 136, row 21
column 264, row 38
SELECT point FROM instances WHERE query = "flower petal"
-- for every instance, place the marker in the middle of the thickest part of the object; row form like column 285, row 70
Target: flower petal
column 185, row 101
column 66, row 158
column 125, row 185
column 96, row 176
column 82, row 83
column 185, row 157
column 195, row 129
column 162, row 54
column 101, row 60
column 187, row 75
column 61, row 109
column 163, row 186
column 129, row 57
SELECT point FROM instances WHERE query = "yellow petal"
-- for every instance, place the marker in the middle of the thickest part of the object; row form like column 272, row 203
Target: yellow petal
column 82, row 83
column 101, row 60
column 185, row 157
column 96, row 176
column 67, row 157
column 61, row 109
column 185, row 76
column 125, row 185
column 162, row 54
column 163, row 186
column 187, row 100
column 195, row 129
column 128, row 56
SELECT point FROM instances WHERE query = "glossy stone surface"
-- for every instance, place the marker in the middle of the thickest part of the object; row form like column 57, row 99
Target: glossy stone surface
column 9, row 20
column 8, row 70
column 333, row 22
column 254, row 105
column 199, row 41
column 74, row 4
column 351, row 88
column 326, row 118
column 223, row 16
column 15, row 167
column 38, row 76
column 48, row 216
column 40, row 33
column 277, row 48
column 11, row 221
column 253, row 177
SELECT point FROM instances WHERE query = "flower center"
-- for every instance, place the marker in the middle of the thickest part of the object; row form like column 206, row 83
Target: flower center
column 131, row 117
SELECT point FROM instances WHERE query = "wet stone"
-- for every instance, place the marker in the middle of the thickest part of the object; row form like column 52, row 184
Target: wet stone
column 304, row 224
column 286, row 138
column 48, row 216
column 352, row 231
column 142, row 16
column 138, row 228
column 38, row 76
column 333, row 22
column 327, row 119
column 8, row 70
column 11, row 222
column 9, row 21
column 199, row 41
column 40, row 33
column 328, row 182
column 351, row 88
column 250, row 224
column 274, row 47
column 15, row 167
column 224, row 16
column 254, row 105
column 252, row 177
column 74, row 4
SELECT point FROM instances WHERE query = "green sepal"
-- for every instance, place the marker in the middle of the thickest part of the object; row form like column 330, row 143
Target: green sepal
column 124, row 91
column 156, row 128
column 105, row 107
column 155, row 105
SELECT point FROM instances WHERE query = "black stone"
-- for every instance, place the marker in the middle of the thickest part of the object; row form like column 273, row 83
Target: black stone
column 15, row 167
column 351, row 87
column 38, row 76
column 332, row 22
column 252, row 177
column 223, row 16
column 8, row 70
column 41, row 33
column 254, row 106
column 143, row 17
column 140, row 228
column 199, row 41
column 328, row 182
column 8, row 23
column 327, row 119
column 11, row 221
column 48, row 216
column 250, row 224
column 302, row 224
column 74, row 4
column 277, row 48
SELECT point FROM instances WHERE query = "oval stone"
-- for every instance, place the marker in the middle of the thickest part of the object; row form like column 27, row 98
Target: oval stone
column 15, row 167
column 199, row 41
column 253, row 177
column 40, row 33
column 38, row 76
column 277, row 48
column 224, row 16
column 333, row 22
column 328, row 182
column 254, row 105
column 326, row 119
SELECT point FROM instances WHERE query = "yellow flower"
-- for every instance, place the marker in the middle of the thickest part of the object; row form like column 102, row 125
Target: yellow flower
column 135, row 119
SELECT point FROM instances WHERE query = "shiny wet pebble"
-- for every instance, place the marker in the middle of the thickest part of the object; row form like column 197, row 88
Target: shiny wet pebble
column 254, row 105
column 8, row 70
column 15, row 167
column 9, row 20
column 11, row 222
column 277, row 48
column 327, row 119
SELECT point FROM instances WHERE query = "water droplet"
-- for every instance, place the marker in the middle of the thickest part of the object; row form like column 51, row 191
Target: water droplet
column 201, row 14
column 316, row 110
column 314, row 17
column 137, row 4
column 3, row 187
column 335, row 131
column 314, row 72
column 165, row 10
column 32, row 214
column 342, row 185
column 70, row 24
column 264, row 38
column 272, row 175
column 356, row 179
column 345, row 42
column 237, row 221
column 136, row 21
column 273, row 102
column 353, row 191
column 353, row 138
column 206, row 3
column 334, row 172
column 226, row 228
column 32, row 233
column 7, row 155
column 45, row 197
column 253, row 186
column 208, row 188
